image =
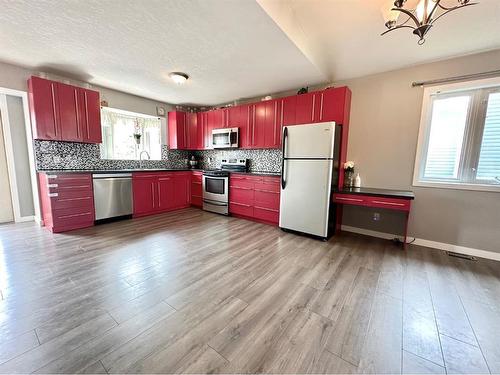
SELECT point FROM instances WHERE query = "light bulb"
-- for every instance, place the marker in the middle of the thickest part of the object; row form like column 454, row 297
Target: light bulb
column 178, row 77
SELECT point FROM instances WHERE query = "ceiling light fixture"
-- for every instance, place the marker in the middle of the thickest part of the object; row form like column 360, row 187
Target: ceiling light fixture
column 178, row 77
column 420, row 19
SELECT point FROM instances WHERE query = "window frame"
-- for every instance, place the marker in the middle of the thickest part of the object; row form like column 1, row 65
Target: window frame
column 163, row 127
column 473, row 134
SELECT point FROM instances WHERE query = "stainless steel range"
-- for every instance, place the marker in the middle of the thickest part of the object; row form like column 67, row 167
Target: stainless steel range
column 216, row 185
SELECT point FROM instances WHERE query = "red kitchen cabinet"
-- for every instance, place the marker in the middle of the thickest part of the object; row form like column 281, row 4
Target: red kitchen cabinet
column 191, row 131
column 307, row 108
column 160, row 192
column 272, row 129
column 43, row 111
column 289, row 110
column 334, row 103
column 63, row 112
column 177, row 130
column 259, row 125
column 196, row 189
column 67, row 201
column 255, row 197
column 246, row 125
column 144, row 194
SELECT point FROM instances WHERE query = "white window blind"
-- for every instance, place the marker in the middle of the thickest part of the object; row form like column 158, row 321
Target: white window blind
column 459, row 140
column 489, row 157
column 449, row 117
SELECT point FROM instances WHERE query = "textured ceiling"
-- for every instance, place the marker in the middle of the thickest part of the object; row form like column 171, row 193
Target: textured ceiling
column 230, row 49
column 342, row 37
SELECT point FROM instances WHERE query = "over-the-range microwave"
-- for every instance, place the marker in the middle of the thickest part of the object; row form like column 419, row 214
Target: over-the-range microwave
column 225, row 138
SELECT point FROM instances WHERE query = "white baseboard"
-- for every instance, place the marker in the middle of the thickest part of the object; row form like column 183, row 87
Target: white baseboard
column 25, row 218
column 427, row 243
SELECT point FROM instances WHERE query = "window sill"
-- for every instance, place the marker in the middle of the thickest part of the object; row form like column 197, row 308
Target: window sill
column 458, row 186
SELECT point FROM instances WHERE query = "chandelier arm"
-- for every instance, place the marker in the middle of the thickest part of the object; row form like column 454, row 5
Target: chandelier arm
column 456, row 7
column 429, row 16
column 404, row 23
column 448, row 10
column 398, row 27
column 409, row 14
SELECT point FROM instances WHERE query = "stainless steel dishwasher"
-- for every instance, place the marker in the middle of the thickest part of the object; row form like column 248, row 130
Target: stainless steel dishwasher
column 112, row 195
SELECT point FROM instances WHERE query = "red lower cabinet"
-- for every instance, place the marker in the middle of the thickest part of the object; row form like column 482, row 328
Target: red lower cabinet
column 67, row 201
column 255, row 197
column 196, row 189
column 160, row 192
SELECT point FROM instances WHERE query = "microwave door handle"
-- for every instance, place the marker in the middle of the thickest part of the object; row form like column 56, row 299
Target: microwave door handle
column 285, row 137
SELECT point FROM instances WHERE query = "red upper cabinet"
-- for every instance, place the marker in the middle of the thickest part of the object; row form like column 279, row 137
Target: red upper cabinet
column 304, row 109
column 335, row 103
column 43, row 108
column 288, row 114
column 90, row 116
column 191, row 131
column 259, row 125
column 272, row 131
column 69, row 112
column 177, row 130
column 63, row 112
column 246, row 125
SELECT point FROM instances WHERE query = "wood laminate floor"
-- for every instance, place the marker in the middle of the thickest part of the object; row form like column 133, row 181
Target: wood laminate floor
column 195, row 292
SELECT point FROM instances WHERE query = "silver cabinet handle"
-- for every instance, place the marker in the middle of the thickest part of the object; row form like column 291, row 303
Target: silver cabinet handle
column 51, row 176
column 241, row 204
column 389, row 203
column 349, row 199
column 52, row 195
column 52, row 185
column 266, row 209
column 267, row 191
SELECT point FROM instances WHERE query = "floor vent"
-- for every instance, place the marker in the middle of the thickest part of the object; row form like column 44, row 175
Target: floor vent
column 463, row 256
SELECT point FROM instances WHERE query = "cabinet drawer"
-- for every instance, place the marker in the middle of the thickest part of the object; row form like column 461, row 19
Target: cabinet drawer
column 241, row 209
column 68, row 180
column 349, row 199
column 266, row 214
column 241, row 195
column 196, row 178
column 72, row 217
column 391, row 203
column 267, row 199
column 271, row 180
column 196, row 188
column 86, row 202
column 241, row 183
column 268, row 187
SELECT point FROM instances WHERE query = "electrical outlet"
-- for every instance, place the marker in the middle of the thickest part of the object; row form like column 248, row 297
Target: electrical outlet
column 376, row 216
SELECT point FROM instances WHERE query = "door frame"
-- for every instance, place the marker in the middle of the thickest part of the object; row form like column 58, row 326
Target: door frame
column 9, row 152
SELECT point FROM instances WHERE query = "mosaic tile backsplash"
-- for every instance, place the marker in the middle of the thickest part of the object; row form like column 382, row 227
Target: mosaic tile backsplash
column 70, row 155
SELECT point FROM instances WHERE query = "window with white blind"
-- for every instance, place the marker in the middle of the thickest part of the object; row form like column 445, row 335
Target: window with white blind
column 459, row 139
column 126, row 134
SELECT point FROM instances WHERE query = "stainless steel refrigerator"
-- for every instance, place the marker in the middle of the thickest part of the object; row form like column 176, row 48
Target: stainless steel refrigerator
column 309, row 170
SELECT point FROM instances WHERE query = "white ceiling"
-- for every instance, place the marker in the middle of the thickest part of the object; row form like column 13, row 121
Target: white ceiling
column 231, row 49
column 342, row 37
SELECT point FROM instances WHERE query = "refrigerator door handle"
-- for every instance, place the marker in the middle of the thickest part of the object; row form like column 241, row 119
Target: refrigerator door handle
column 285, row 137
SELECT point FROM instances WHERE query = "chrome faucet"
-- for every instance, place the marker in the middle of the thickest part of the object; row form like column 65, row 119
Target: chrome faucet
column 140, row 157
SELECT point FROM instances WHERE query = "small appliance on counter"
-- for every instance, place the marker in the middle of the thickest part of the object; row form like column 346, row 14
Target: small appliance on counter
column 193, row 163
column 215, row 185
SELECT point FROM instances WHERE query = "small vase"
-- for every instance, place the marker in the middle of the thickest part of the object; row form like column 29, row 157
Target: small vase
column 348, row 179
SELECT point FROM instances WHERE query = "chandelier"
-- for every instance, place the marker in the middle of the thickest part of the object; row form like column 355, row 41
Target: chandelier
column 421, row 18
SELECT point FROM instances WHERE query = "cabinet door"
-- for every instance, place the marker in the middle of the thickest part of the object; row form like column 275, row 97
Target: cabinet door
column 191, row 131
column 200, row 131
column 43, row 109
column 181, row 190
column 166, row 193
column 259, row 125
column 246, row 125
column 305, row 109
column 272, row 133
column 333, row 104
column 91, row 116
column 145, row 195
column 233, row 117
column 289, row 110
column 69, row 113
column 177, row 130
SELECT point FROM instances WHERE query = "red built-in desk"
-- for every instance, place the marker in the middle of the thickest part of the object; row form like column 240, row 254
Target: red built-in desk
column 377, row 198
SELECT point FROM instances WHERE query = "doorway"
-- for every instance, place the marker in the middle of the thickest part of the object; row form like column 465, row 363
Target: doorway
column 6, row 211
